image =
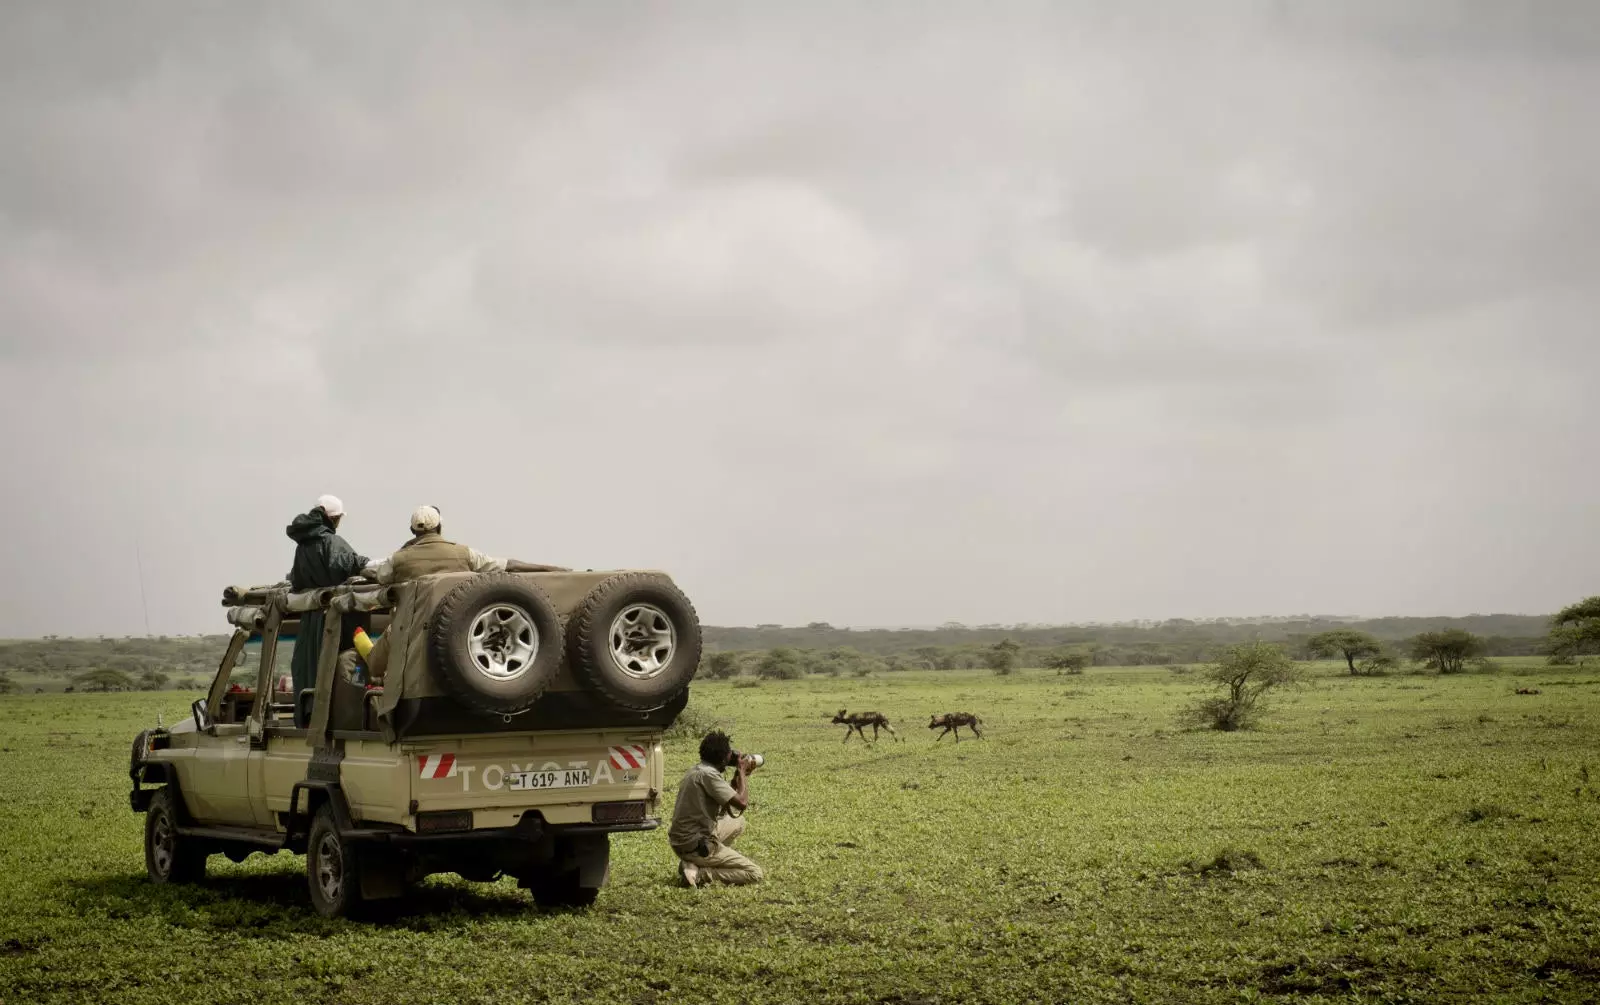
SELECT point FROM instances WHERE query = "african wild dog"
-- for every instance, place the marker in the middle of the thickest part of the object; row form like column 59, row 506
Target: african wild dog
column 952, row 723
column 856, row 720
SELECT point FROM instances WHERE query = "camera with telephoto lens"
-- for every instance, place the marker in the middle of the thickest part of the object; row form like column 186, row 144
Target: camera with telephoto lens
column 756, row 760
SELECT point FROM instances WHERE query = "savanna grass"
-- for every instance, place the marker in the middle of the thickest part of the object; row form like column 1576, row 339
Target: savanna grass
column 1397, row 838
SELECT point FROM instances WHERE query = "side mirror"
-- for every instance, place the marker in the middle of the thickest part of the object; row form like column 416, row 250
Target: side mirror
column 202, row 715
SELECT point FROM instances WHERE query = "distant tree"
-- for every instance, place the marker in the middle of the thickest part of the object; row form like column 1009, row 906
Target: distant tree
column 1574, row 632
column 1068, row 662
column 819, row 626
column 105, row 679
column 1447, row 651
column 782, row 663
column 721, row 665
column 1002, row 656
column 936, row 657
column 152, row 680
column 1350, row 644
column 7, row 685
column 1248, row 671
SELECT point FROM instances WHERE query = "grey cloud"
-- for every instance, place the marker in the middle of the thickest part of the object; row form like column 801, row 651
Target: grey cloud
column 1029, row 313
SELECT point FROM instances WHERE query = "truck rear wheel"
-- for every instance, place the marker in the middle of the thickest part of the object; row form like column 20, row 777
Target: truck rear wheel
column 580, row 868
column 497, row 643
column 636, row 640
column 169, row 857
column 333, row 869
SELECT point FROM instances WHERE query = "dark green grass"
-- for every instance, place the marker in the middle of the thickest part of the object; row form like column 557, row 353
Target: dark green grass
column 1390, row 839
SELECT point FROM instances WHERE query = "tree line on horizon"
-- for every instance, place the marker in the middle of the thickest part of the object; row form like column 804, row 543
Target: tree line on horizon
column 1375, row 645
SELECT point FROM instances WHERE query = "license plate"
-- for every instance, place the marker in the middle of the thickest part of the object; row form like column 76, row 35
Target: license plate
column 518, row 781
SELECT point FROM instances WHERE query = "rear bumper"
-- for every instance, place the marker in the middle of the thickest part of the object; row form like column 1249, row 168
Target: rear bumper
column 531, row 829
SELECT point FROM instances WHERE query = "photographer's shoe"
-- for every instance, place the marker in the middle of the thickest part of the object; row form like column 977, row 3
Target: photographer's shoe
column 690, row 874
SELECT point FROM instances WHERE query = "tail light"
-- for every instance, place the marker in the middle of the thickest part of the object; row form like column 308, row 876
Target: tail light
column 441, row 821
column 629, row 812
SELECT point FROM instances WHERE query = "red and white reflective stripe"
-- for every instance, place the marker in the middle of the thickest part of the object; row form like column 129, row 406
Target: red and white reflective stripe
column 629, row 758
column 436, row 765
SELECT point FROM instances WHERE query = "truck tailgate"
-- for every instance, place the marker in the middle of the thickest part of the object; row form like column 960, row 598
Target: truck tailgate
column 501, row 776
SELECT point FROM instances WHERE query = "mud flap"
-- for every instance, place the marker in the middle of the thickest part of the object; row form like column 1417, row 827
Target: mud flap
column 383, row 874
column 591, row 855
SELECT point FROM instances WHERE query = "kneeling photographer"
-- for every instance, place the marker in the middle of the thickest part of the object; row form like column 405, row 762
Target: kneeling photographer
column 709, row 816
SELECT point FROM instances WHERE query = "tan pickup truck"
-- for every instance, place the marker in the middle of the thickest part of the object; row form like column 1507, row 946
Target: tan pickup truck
column 517, row 727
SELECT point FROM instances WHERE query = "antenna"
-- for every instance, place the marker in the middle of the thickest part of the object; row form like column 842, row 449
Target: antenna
column 138, row 559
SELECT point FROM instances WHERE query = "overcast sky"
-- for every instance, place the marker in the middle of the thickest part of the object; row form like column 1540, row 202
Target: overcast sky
column 875, row 314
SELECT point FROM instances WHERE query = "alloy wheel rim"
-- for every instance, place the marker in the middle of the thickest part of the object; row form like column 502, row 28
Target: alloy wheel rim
column 643, row 640
column 502, row 642
column 330, row 867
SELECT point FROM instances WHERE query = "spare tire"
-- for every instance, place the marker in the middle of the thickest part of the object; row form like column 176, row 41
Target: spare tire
column 496, row 643
column 635, row 639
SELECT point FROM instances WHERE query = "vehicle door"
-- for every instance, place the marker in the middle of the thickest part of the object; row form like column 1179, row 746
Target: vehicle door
column 217, row 787
column 271, row 727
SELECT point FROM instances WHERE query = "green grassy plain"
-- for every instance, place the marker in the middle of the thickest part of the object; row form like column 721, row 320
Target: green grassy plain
column 1418, row 839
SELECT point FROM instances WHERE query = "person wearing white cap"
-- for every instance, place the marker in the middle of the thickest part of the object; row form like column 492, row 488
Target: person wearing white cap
column 321, row 558
column 428, row 553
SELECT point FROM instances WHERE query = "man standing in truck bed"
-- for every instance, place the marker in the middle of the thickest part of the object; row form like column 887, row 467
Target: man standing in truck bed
column 321, row 558
column 426, row 554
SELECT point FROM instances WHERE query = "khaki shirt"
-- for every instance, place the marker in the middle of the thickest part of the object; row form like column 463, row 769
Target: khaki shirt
column 383, row 570
column 703, row 795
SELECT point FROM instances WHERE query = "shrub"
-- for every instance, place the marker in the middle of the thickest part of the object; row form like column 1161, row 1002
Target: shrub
column 746, row 682
column 720, row 666
column 691, row 724
column 1378, row 665
column 782, row 663
column 1248, row 672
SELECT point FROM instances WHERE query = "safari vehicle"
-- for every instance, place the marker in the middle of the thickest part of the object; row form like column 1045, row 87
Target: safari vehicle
column 518, row 726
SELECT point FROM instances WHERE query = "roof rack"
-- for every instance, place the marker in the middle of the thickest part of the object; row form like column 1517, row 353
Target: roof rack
column 248, row 606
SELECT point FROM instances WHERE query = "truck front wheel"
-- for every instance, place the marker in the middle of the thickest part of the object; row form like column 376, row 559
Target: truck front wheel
column 169, row 857
column 332, row 868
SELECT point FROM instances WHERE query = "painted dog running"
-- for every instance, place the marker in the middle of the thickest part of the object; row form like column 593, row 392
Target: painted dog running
column 952, row 723
column 856, row 720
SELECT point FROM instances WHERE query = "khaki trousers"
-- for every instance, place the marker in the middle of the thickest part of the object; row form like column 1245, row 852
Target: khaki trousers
column 724, row 865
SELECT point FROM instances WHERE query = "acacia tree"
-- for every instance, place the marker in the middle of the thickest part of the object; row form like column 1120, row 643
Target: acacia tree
column 105, row 679
column 1002, row 656
column 1248, row 671
column 1069, row 662
column 1575, row 631
column 1346, row 642
column 1446, row 651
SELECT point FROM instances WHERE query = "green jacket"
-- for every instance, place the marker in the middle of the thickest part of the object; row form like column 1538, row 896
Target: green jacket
column 321, row 558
